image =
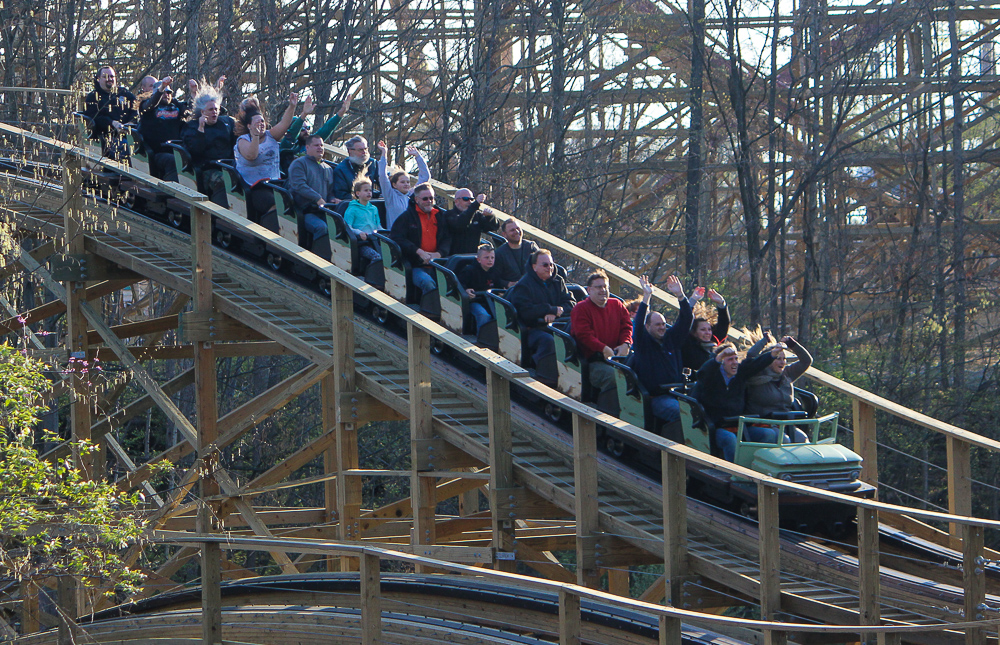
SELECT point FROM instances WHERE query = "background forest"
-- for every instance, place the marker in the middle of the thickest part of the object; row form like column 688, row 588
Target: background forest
column 831, row 169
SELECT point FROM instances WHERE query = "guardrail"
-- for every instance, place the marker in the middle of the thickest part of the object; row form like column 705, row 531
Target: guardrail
column 500, row 374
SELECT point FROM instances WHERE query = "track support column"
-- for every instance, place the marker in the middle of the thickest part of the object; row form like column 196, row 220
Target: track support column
column 868, row 569
column 328, row 404
column 674, row 526
column 569, row 618
column 770, row 560
column 423, row 490
column 348, row 489
column 371, row 600
column 959, row 460
column 973, row 581
column 864, row 440
column 585, row 483
column 207, row 408
column 501, row 466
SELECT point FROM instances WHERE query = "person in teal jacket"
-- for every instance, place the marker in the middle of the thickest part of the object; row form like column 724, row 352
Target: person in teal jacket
column 293, row 143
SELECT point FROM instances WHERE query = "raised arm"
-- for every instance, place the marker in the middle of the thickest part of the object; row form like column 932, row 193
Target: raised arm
column 278, row 131
column 805, row 359
column 423, row 172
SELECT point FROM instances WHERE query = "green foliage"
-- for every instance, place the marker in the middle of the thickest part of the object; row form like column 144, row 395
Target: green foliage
column 53, row 521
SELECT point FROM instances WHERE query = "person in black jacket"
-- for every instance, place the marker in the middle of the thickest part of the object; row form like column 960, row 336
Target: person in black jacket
column 110, row 107
column 541, row 297
column 209, row 136
column 468, row 220
column 422, row 236
column 512, row 257
column 721, row 389
column 358, row 163
column 700, row 345
column 161, row 119
column 477, row 277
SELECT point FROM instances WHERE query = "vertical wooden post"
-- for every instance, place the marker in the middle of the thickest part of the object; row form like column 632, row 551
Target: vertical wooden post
column 501, row 465
column 328, row 405
column 619, row 582
column 29, row 607
column 68, row 589
column 371, row 600
column 76, row 323
column 348, row 489
column 959, row 460
column 865, row 441
column 770, row 559
column 891, row 638
column 585, row 482
column 423, row 490
column 207, row 409
column 569, row 618
column 674, row 525
column 973, row 581
column 670, row 630
column 868, row 569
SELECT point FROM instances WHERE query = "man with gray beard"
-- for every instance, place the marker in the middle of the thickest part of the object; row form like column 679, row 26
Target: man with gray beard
column 357, row 164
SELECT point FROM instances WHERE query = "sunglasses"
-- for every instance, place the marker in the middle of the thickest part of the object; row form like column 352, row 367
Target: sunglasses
column 425, row 199
column 465, row 199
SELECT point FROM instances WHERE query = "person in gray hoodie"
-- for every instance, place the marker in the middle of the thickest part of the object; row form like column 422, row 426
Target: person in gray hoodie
column 310, row 180
column 772, row 392
column 397, row 187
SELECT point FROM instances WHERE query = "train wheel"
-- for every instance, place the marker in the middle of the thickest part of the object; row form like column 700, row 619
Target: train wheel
column 437, row 347
column 615, row 447
column 274, row 261
column 175, row 219
column 553, row 412
column 323, row 283
column 224, row 239
column 381, row 315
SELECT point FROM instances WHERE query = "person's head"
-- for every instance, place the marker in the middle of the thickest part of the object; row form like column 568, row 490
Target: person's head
column 166, row 96
column 357, row 150
column 597, row 288
column 314, row 147
column 147, row 85
column 485, row 256
column 632, row 305
column 106, row 78
column 729, row 358
column 656, row 325
column 400, row 180
column 304, row 134
column 206, row 102
column 780, row 361
column 701, row 329
column 511, row 232
column 249, row 116
column 423, row 195
column 362, row 189
column 542, row 264
column 463, row 199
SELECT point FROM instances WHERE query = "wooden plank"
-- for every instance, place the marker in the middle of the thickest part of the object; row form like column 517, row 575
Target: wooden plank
column 56, row 307
column 211, row 596
column 348, row 488
column 586, row 498
column 618, row 582
column 214, row 326
column 501, row 466
column 363, row 408
column 422, row 490
column 328, row 410
column 140, row 328
column 974, row 582
column 524, row 504
column 868, row 568
column 371, row 600
column 959, row 461
column 674, row 526
column 770, row 557
column 865, row 440
column 436, row 454
column 569, row 618
column 670, row 630
column 30, row 611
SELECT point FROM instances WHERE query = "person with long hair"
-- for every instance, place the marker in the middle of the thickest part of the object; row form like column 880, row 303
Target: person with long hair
column 258, row 154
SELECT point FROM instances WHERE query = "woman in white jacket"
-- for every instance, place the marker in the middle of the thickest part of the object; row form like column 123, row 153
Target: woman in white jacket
column 396, row 188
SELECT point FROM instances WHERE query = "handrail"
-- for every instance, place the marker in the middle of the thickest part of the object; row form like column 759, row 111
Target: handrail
column 332, row 548
column 43, row 90
column 488, row 358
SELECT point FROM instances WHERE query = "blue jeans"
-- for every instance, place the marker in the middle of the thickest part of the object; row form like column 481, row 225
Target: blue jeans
column 726, row 440
column 315, row 226
column 423, row 279
column 665, row 407
column 542, row 348
column 481, row 314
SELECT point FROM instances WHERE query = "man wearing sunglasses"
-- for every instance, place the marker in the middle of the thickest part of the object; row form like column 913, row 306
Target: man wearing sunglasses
column 161, row 117
column 541, row 297
column 468, row 220
column 422, row 236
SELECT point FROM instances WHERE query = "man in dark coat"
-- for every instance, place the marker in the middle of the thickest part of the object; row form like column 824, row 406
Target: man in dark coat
column 161, row 119
column 358, row 163
column 110, row 107
column 512, row 257
column 541, row 297
column 422, row 236
column 468, row 220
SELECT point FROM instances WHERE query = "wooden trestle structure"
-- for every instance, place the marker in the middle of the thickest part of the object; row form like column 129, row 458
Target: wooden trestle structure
column 547, row 490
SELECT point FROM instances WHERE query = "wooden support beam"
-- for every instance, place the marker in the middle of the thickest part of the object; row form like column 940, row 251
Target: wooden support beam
column 525, row 504
column 501, row 467
column 55, row 307
column 959, row 461
column 973, row 581
column 348, row 487
column 371, row 600
column 422, row 490
column 569, row 618
column 586, row 502
column 865, row 440
column 670, row 630
column 135, row 329
column 868, row 569
column 29, row 607
column 214, row 326
column 328, row 414
column 770, row 559
column 674, row 526
column 619, row 582
column 437, row 454
column 211, row 596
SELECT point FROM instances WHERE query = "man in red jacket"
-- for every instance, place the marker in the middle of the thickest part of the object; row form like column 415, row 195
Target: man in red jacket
column 602, row 329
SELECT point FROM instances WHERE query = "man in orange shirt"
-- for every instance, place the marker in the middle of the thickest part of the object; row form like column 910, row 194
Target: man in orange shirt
column 422, row 235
